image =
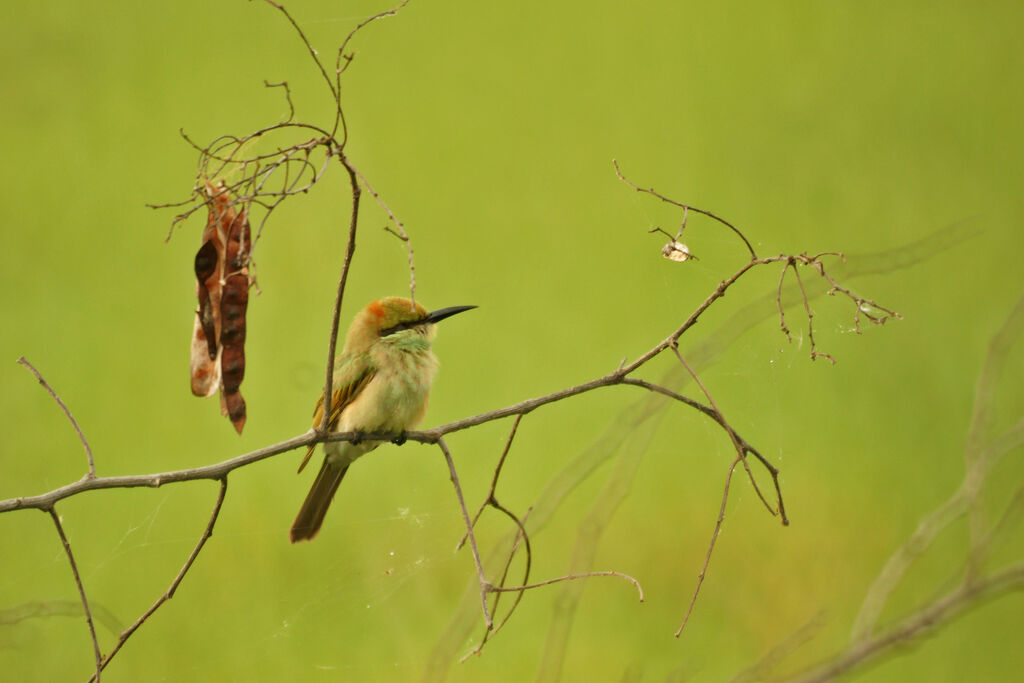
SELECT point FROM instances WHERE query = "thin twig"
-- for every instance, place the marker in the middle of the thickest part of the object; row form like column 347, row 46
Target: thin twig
column 398, row 231
column 686, row 207
column 572, row 577
column 169, row 593
column 340, row 68
column 711, row 546
column 81, row 590
column 740, row 458
column 485, row 585
column 810, row 316
column 309, row 48
column 741, row 446
column 490, row 499
column 519, row 590
column 747, row 447
column 697, row 380
column 350, row 249
column 85, row 443
column 287, row 97
column 521, row 535
column 863, row 305
column 778, row 300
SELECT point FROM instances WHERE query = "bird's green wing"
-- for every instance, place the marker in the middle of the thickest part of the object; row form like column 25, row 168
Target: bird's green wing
column 351, row 377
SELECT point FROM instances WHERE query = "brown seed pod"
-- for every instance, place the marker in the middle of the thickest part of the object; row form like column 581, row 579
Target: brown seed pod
column 222, row 289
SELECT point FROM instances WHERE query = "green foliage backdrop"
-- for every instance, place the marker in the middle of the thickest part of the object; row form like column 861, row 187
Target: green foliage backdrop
column 490, row 129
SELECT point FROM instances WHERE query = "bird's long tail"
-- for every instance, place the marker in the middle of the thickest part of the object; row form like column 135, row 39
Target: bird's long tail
column 311, row 515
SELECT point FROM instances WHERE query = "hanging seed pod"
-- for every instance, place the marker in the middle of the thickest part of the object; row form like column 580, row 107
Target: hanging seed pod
column 222, row 289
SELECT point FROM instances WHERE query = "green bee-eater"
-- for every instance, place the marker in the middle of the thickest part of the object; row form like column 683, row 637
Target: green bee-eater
column 381, row 383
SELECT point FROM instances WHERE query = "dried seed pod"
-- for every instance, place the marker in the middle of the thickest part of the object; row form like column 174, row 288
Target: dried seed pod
column 222, row 289
column 206, row 267
column 233, row 304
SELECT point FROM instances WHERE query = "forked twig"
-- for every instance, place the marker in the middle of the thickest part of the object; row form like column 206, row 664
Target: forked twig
column 521, row 535
column 490, row 499
column 862, row 305
column 741, row 453
column 780, row 508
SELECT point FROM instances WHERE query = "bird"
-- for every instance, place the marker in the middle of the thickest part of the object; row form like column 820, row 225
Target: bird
column 382, row 381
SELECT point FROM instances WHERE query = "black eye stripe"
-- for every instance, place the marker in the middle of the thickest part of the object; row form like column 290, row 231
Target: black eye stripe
column 400, row 326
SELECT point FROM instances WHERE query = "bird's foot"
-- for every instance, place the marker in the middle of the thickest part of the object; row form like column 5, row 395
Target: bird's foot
column 357, row 438
column 399, row 440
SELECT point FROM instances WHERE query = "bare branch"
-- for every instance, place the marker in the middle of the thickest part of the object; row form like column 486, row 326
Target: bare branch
column 350, row 249
column 711, row 546
column 632, row 428
column 81, row 589
column 865, row 306
column 741, row 446
column 216, row 471
column 485, row 585
column 85, row 443
column 618, row 376
column 287, row 97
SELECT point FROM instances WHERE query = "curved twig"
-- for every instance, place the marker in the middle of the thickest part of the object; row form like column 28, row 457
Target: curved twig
column 81, row 591
column 686, row 207
column 74, row 423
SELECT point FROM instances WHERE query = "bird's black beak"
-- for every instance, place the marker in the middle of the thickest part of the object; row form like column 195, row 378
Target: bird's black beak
column 442, row 313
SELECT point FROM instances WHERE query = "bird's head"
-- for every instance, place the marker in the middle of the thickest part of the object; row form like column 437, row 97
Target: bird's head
column 394, row 315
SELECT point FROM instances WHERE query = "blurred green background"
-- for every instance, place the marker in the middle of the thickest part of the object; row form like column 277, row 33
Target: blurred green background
column 490, row 129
